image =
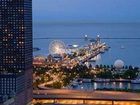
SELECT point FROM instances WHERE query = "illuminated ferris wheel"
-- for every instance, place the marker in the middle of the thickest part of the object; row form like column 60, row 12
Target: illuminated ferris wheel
column 57, row 47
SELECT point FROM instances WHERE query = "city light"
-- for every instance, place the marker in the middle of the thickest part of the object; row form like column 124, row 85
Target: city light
column 57, row 47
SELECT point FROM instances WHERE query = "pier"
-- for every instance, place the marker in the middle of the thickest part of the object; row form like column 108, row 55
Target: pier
column 83, row 54
column 92, row 51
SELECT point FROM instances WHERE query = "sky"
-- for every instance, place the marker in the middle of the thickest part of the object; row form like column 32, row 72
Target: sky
column 86, row 11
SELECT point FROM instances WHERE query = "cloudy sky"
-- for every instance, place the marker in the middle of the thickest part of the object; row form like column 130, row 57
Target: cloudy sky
column 86, row 10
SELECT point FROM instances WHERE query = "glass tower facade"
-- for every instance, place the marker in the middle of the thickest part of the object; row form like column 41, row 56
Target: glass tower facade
column 16, row 49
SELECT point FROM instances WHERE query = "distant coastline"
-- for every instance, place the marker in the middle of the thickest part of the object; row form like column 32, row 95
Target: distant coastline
column 81, row 22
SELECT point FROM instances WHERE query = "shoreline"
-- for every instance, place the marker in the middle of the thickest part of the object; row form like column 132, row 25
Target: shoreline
column 84, row 80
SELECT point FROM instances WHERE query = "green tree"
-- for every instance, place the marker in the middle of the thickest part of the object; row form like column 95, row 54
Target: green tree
column 97, row 66
column 38, row 103
column 104, row 66
column 126, row 67
column 130, row 67
column 130, row 74
column 90, row 66
column 105, row 74
column 108, row 66
column 57, row 85
column 101, row 66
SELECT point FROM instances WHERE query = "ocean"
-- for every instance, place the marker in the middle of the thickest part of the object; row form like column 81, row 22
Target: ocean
column 123, row 38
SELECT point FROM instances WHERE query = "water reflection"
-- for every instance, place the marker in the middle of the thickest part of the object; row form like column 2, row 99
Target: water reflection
column 95, row 85
column 129, row 86
column 107, row 85
column 120, row 85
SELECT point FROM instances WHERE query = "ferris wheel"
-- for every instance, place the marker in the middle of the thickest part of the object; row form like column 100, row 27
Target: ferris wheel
column 57, row 47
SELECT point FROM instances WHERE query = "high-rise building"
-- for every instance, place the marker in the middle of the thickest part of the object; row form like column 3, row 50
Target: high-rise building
column 16, row 50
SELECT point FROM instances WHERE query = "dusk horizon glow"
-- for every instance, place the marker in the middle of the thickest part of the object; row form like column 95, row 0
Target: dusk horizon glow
column 86, row 11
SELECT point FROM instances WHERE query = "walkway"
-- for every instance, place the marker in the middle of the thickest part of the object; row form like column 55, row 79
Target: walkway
column 64, row 97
